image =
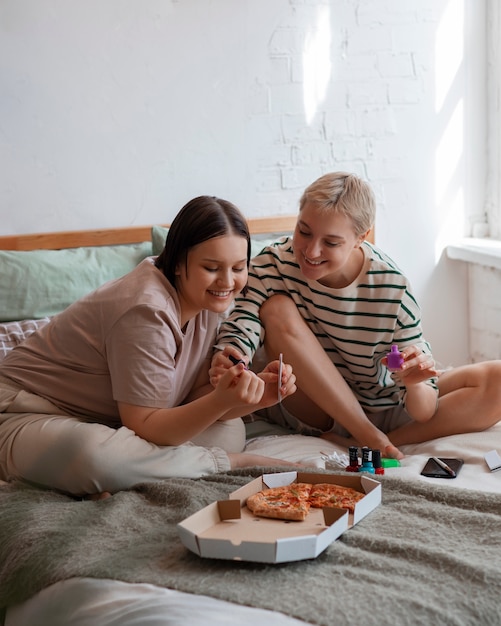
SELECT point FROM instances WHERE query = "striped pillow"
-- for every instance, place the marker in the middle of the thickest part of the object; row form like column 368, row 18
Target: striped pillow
column 13, row 333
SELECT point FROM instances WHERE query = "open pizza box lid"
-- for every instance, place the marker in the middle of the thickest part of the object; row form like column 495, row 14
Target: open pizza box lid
column 226, row 529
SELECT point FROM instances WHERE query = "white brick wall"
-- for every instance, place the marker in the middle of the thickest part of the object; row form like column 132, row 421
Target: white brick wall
column 485, row 312
column 222, row 110
column 250, row 100
column 377, row 72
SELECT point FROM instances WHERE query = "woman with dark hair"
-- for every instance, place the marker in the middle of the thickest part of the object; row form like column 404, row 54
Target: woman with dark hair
column 115, row 389
column 201, row 219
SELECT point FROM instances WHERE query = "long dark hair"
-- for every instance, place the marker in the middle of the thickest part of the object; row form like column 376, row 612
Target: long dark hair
column 201, row 219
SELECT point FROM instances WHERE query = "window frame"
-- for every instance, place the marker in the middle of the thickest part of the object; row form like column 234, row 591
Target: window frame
column 493, row 138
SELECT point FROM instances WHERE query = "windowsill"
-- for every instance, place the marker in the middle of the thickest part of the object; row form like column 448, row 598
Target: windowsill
column 481, row 251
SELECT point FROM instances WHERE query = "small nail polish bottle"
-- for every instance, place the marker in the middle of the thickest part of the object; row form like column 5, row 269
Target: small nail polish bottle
column 376, row 461
column 353, row 454
column 367, row 465
column 395, row 358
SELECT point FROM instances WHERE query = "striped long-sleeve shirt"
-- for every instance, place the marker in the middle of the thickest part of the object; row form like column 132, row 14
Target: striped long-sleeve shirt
column 356, row 325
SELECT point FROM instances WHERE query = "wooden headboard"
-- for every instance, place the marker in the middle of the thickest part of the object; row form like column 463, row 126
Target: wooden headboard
column 124, row 235
column 129, row 234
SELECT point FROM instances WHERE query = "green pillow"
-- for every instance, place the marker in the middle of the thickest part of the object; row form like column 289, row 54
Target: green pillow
column 258, row 242
column 41, row 283
column 159, row 235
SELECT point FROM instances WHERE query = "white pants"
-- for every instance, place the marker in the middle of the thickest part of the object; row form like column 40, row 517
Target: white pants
column 40, row 445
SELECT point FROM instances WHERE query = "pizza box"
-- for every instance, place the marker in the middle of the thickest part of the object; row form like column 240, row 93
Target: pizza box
column 226, row 529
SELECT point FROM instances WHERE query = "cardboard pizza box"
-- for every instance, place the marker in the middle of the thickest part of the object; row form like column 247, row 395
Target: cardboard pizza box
column 226, row 529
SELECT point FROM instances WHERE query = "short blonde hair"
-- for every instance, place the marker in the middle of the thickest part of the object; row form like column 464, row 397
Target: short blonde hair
column 346, row 194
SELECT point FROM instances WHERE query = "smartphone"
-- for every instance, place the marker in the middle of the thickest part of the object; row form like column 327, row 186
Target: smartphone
column 432, row 469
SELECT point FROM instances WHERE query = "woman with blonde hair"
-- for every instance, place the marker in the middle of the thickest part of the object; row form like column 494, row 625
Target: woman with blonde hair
column 334, row 305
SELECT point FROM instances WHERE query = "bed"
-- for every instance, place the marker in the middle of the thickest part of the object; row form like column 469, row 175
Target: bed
column 429, row 553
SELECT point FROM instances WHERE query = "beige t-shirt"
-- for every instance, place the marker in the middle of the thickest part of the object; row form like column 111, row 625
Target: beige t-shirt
column 123, row 342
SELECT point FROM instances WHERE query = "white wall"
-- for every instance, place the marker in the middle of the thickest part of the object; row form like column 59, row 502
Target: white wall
column 117, row 112
column 485, row 312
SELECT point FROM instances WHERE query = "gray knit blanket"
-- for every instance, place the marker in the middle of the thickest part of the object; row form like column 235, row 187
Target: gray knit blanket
column 427, row 555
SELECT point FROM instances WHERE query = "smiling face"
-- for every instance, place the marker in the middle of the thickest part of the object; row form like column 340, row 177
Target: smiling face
column 214, row 273
column 326, row 247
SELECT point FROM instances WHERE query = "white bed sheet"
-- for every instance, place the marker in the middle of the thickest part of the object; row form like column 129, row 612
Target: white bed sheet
column 90, row 602
column 471, row 447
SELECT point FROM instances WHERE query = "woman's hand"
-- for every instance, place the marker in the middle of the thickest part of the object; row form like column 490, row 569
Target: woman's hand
column 222, row 361
column 238, row 387
column 244, row 385
column 276, row 391
column 417, row 367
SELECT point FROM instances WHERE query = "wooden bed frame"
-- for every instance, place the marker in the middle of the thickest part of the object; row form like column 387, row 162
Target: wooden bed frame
column 124, row 235
column 129, row 234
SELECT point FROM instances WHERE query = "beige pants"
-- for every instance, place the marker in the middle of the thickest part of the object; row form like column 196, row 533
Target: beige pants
column 40, row 445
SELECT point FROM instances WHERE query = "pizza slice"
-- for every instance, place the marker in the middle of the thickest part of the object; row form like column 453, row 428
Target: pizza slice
column 325, row 495
column 289, row 502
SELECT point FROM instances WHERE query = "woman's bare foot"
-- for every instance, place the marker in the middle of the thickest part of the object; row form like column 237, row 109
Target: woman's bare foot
column 392, row 452
column 389, row 451
column 98, row 496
